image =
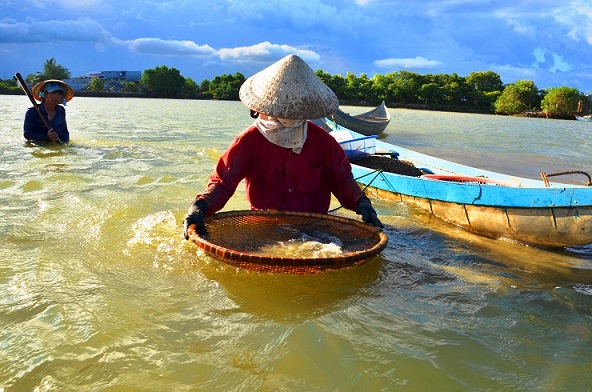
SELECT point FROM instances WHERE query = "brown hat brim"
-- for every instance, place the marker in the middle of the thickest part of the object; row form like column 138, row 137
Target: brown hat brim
column 39, row 87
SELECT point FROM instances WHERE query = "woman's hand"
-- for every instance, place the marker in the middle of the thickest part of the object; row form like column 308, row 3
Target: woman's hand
column 368, row 213
column 53, row 135
column 195, row 216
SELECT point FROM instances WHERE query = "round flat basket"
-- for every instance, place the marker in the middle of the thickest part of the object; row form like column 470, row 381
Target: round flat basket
column 289, row 242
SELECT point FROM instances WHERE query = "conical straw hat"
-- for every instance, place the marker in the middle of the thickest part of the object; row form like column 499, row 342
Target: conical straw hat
column 289, row 88
column 39, row 87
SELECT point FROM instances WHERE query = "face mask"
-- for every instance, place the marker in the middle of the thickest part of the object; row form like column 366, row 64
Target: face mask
column 274, row 130
column 290, row 123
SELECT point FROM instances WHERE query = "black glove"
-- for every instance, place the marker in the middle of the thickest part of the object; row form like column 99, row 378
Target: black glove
column 195, row 216
column 368, row 214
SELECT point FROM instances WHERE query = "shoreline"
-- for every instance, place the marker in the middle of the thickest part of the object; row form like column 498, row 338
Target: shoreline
column 121, row 94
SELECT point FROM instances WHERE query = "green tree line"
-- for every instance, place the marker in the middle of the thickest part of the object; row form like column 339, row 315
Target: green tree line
column 51, row 70
column 480, row 92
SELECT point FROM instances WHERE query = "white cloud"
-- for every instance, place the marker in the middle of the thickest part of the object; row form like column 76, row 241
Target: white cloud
column 551, row 40
column 510, row 73
column 12, row 32
column 559, row 64
column 167, row 47
column 265, row 52
column 300, row 15
column 417, row 62
column 86, row 5
column 521, row 28
column 539, row 56
column 577, row 16
column 83, row 29
column 81, row 5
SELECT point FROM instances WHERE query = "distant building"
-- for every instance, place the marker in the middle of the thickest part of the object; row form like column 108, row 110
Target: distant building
column 112, row 80
column 79, row 82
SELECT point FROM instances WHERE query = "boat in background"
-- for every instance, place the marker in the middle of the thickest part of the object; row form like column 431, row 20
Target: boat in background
column 584, row 118
column 494, row 205
column 369, row 123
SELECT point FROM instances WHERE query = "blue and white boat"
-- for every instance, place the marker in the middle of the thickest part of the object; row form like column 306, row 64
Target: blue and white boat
column 587, row 118
column 495, row 205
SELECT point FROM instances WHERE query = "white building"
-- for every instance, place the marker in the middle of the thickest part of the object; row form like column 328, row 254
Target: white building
column 112, row 80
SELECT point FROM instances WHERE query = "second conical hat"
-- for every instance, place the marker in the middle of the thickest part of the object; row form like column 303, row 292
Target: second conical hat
column 289, row 88
column 40, row 87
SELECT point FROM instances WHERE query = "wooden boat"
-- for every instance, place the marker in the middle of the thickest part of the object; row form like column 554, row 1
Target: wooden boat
column 584, row 118
column 495, row 205
column 368, row 123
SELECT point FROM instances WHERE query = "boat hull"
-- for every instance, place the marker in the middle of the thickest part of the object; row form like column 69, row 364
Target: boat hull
column 582, row 118
column 548, row 227
column 499, row 206
column 370, row 123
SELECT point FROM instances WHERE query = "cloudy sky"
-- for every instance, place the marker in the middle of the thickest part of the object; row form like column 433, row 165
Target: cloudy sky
column 546, row 41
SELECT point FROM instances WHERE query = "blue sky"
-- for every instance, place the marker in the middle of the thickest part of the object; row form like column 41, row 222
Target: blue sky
column 546, row 41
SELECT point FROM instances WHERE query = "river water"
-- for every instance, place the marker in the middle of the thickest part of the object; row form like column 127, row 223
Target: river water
column 100, row 292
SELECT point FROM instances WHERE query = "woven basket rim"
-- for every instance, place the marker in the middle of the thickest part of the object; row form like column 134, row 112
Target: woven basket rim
column 242, row 258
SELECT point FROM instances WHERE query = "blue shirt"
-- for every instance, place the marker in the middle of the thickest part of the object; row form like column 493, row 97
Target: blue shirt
column 35, row 128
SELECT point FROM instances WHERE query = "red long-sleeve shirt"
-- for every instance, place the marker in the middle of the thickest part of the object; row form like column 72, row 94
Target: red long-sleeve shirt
column 279, row 179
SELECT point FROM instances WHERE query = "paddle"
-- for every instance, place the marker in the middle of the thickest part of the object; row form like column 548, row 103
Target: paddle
column 23, row 85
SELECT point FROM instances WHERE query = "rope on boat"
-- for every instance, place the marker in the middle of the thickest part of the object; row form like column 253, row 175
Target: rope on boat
column 546, row 175
column 363, row 189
